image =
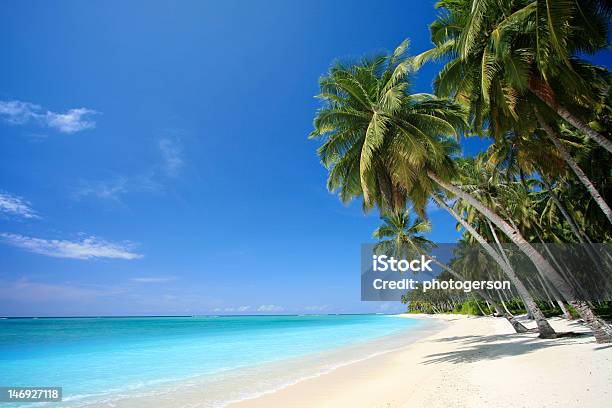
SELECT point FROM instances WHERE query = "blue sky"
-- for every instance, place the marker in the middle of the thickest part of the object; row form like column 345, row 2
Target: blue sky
column 154, row 159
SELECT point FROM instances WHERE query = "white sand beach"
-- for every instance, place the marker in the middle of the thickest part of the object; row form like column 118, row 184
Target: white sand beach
column 473, row 362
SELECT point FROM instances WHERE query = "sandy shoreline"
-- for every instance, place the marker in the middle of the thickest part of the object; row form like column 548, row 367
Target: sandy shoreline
column 473, row 362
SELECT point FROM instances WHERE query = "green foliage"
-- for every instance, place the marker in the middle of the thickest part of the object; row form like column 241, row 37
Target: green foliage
column 469, row 307
column 511, row 68
column 378, row 138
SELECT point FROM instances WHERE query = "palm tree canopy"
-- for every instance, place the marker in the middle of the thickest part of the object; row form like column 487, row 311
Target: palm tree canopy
column 401, row 236
column 377, row 137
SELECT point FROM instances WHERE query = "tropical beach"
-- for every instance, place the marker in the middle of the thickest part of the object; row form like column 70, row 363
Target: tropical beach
column 306, row 204
column 472, row 362
column 442, row 360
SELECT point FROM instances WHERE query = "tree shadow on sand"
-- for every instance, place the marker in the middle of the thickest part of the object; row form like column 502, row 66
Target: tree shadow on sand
column 478, row 348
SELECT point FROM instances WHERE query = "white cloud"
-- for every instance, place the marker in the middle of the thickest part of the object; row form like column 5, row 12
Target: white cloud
column 172, row 152
column 14, row 205
column 17, row 112
column 72, row 121
column 87, row 248
column 270, row 308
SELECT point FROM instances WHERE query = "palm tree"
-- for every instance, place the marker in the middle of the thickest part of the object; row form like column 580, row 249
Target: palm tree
column 601, row 330
column 388, row 146
column 590, row 187
column 377, row 136
column 500, row 52
column 546, row 331
column 507, row 62
column 401, row 237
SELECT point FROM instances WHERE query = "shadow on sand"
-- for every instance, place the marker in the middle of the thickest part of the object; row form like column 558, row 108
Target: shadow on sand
column 478, row 348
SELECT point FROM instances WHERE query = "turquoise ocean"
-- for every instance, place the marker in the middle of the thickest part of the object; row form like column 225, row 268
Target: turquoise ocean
column 97, row 357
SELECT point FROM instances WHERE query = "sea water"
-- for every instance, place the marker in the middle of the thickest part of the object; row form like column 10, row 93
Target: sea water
column 97, row 357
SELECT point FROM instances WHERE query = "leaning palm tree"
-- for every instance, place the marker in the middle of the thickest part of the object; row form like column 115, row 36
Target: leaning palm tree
column 601, row 330
column 554, row 136
column 386, row 145
column 504, row 51
column 403, row 238
column 377, row 136
column 545, row 329
column 509, row 68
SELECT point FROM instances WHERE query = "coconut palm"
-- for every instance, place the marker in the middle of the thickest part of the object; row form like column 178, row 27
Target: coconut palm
column 508, row 72
column 580, row 174
column 403, row 238
column 601, row 329
column 386, row 145
column 377, row 136
column 500, row 52
column 546, row 331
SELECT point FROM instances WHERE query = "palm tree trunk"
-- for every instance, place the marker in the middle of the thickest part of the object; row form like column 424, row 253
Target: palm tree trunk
column 568, row 275
column 478, row 306
column 570, row 221
column 601, row 329
column 550, row 101
column 574, row 166
column 516, row 325
column 564, row 310
column 582, row 237
column 545, row 329
column 501, row 299
column 499, row 245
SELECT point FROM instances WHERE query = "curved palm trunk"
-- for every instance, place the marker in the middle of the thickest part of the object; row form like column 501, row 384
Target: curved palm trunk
column 516, row 325
column 582, row 236
column 499, row 245
column 572, row 119
column 574, row 166
column 482, row 312
column 601, row 329
column 570, row 221
column 545, row 329
column 501, row 299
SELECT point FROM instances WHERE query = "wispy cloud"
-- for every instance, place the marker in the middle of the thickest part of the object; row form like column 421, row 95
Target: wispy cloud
column 270, row 308
column 109, row 190
column 15, row 205
column 115, row 188
column 172, row 155
column 153, row 279
column 87, row 248
column 152, row 180
column 72, row 121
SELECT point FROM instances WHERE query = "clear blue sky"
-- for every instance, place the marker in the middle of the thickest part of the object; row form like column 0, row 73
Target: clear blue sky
column 154, row 159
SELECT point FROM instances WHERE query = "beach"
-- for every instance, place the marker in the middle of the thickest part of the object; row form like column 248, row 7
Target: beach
column 472, row 362
column 406, row 360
